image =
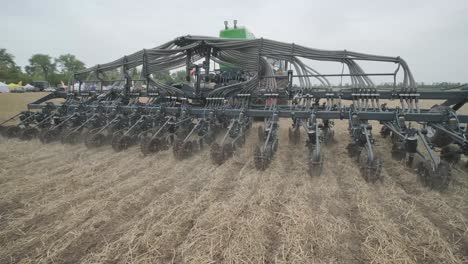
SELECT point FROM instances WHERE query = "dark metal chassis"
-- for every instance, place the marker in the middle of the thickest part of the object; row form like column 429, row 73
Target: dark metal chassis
column 456, row 98
column 433, row 170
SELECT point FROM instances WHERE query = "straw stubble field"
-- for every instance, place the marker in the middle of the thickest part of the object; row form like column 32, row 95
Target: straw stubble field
column 68, row 204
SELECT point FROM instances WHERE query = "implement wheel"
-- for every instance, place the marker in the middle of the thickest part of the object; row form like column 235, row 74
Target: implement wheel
column 149, row 146
column 228, row 150
column 216, row 154
column 370, row 168
column 29, row 133
column 11, row 132
column 262, row 158
column 74, row 137
column 121, row 143
column 187, row 148
column 385, row 131
column 451, row 154
column 95, row 141
column 210, row 137
column 398, row 151
column 315, row 164
column 261, row 133
column 294, row 135
column 436, row 136
column 354, row 150
column 177, row 148
column 436, row 179
column 49, row 135
column 71, row 137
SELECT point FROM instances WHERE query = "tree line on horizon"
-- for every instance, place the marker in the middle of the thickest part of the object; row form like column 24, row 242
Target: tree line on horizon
column 43, row 67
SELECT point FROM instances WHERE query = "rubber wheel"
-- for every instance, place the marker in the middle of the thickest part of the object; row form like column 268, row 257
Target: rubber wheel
column 328, row 136
column 49, row 135
column 216, row 154
column 451, row 154
column 177, row 148
column 437, row 137
column 294, row 135
column 315, row 164
column 12, row 132
column 263, row 158
column 201, row 143
column 210, row 137
column 95, row 141
column 438, row 179
column 353, row 151
column 370, row 169
column 149, row 146
column 399, row 151
column 74, row 137
column 261, row 133
column 259, row 159
column 29, row 133
column 385, row 131
column 186, row 149
column 228, row 151
column 121, row 143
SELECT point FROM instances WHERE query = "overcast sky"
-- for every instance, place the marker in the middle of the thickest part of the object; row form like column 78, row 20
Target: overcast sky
column 432, row 36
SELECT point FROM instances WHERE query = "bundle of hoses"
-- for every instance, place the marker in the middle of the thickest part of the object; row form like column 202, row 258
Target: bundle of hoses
column 250, row 56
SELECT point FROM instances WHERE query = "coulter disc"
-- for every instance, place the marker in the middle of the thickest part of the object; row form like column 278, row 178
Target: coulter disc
column 370, row 169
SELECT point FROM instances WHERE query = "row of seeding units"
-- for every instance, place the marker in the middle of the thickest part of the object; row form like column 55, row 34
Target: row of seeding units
column 231, row 84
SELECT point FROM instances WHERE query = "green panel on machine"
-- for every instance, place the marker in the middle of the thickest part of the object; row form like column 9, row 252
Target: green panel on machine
column 234, row 33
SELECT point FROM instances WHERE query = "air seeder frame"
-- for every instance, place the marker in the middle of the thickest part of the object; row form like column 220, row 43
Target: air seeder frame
column 260, row 79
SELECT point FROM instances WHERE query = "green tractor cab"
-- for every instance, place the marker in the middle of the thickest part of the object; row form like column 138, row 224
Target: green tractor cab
column 235, row 32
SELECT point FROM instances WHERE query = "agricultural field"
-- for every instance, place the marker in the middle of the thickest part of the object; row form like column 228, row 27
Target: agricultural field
column 68, row 204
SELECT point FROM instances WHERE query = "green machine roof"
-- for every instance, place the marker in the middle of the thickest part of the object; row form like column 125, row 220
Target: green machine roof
column 236, row 33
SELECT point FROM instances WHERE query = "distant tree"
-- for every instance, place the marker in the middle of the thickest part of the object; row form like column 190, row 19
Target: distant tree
column 115, row 74
column 135, row 73
column 40, row 64
column 164, row 76
column 9, row 71
column 6, row 60
column 57, row 78
column 68, row 63
column 179, row 76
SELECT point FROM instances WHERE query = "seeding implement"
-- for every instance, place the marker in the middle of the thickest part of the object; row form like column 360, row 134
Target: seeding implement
column 256, row 79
